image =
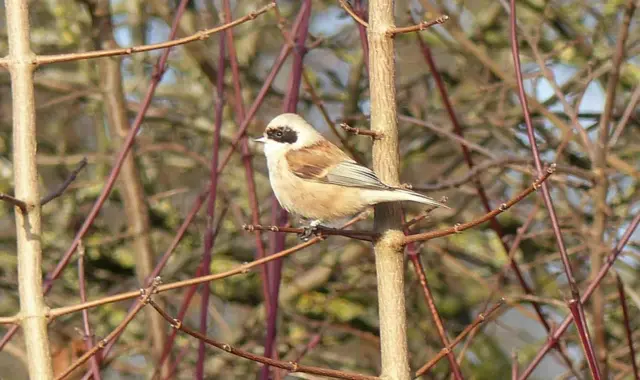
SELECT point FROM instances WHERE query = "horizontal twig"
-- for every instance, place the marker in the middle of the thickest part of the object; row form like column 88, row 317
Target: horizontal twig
column 290, row 366
column 201, row 35
column 418, row 27
column 464, row 226
column 501, row 162
column 482, row 317
column 14, row 201
column 245, row 268
column 357, row 131
column 58, row 192
column 321, row 231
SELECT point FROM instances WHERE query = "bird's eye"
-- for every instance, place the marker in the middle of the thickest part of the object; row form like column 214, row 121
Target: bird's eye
column 279, row 134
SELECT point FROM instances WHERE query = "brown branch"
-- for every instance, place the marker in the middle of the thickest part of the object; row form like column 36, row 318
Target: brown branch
column 14, row 201
column 54, row 313
column 321, row 231
column 60, row 190
column 289, row 366
column 201, row 35
column 476, row 170
column 482, row 317
column 465, row 226
column 145, row 296
column 418, row 27
column 365, row 132
column 347, row 7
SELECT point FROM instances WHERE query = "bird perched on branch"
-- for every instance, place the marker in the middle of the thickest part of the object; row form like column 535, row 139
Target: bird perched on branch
column 313, row 178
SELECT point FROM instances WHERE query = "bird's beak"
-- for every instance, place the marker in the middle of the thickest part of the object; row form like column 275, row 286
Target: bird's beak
column 260, row 139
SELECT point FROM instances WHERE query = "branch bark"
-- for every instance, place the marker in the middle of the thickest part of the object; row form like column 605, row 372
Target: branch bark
column 389, row 249
column 28, row 230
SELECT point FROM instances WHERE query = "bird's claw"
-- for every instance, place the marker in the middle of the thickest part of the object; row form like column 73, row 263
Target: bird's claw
column 308, row 231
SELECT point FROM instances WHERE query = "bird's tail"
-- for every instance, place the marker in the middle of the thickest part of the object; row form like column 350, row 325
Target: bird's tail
column 409, row 195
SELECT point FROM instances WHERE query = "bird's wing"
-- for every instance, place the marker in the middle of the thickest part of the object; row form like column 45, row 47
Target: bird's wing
column 325, row 162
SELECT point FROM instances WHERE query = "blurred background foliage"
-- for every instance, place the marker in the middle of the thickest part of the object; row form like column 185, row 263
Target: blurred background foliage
column 329, row 289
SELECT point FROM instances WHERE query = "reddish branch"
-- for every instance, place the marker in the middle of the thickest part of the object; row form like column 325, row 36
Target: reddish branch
column 627, row 326
column 481, row 318
column 494, row 224
column 209, row 236
column 414, row 256
column 88, row 336
column 144, row 295
column 585, row 339
column 289, row 366
column 489, row 216
column 608, row 263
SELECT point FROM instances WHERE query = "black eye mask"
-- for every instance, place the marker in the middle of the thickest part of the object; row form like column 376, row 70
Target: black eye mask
column 282, row 134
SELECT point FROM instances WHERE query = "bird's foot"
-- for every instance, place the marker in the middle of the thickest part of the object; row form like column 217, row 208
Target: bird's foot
column 312, row 229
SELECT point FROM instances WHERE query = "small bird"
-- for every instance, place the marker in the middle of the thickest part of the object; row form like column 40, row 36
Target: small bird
column 314, row 179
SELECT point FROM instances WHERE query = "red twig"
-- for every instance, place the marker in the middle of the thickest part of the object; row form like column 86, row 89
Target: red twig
column 494, row 224
column 246, row 154
column 211, row 206
column 279, row 217
column 88, row 335
column 553, row 339
column 486, row 217
column 585, row 340
column 145, row 295
column 482, row 317
column 413, row 253
column 627, row 326
column 290, row 366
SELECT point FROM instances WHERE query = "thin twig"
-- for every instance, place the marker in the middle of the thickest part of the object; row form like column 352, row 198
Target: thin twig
column 145, row 296
column 464, row 226
column 482, row 317
column 245, row 268
column 418, row 27
column 608, row 263
column 87, row 335
column 585, row 340
column 58, row 192
column 289, row 366
column 199, row 36
column 347, row 7
column 627, row 325
column 322, row 231
column 476, row 170
column 14, row 201
column 357, row 131
column 412, row 251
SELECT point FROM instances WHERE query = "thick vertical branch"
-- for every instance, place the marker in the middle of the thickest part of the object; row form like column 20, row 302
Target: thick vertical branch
column 388, row 250
column 28, row 232
column 131, row 186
